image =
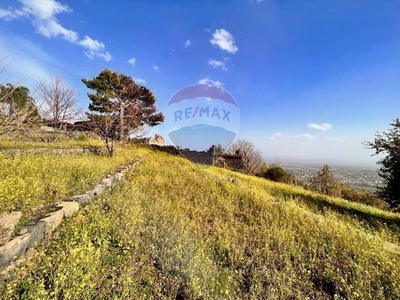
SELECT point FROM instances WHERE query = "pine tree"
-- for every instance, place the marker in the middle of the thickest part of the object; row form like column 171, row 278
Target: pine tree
column 119, row 107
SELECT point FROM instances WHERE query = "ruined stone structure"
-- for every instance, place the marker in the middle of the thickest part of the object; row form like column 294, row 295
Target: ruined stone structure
column 157, row 140
column 168, row 149
column 230, row 161
column 201, row 157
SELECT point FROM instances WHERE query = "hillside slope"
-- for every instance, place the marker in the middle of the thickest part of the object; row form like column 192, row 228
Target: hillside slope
column 175, row 230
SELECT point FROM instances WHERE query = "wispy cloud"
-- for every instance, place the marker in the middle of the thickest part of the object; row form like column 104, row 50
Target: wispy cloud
column 188, row 43
column 94, row 49
column 132, row 61
column 224, row 40
column 218, row 64
column 42, row 14
column 207, row 80
column 257, row 1
column 275, row 135
column 139, row 80
column 10, row 14
column 303, row 136
column 156, row 68
column 26, row 60
column 323, row 127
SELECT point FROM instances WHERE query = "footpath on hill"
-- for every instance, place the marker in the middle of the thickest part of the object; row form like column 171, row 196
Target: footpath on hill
column 177, row 230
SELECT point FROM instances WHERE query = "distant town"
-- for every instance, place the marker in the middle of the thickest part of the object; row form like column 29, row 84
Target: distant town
column 359, row 178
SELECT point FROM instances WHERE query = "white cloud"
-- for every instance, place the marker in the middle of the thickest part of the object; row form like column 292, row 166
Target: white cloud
column 8, row 15
column 207, row 80
column 323, row 127
column 224, row 40
column 188, row 43
column 156, row 68
column 258, row 1
column 275, row 136
column 42, row 14
column 139, row 80
column 132, row 61
column 95, row 48
column 218, row 64
column 305, row 136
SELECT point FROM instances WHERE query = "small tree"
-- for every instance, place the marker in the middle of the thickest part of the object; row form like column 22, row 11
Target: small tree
column 324, row 182
column 388, row 143
column 252, row 157
column 17, row 106
column 58, row 101
column 120, row 108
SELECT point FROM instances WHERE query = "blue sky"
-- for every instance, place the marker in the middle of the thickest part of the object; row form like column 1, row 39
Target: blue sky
column 313, row 79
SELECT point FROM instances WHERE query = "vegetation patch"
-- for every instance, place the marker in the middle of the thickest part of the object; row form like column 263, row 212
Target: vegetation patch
column 31, row 181
column 176, row 231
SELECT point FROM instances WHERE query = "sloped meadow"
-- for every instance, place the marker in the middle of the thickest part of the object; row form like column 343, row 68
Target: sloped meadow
column 176, row 230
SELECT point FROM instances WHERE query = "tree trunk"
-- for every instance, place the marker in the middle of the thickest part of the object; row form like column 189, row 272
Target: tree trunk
column 121, row 122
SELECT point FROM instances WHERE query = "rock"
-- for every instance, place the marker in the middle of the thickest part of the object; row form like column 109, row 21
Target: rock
column 69, row 208
column 23, row 231
column 53, row 220
column 81, row 199
column 47, row 129
column 107, row 181
column 157, row 140
column 7, row 225
column 12, row 249
column 99, row 188
column 35, row 233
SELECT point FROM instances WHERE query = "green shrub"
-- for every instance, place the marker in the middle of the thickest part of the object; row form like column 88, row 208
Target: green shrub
column 276, row 173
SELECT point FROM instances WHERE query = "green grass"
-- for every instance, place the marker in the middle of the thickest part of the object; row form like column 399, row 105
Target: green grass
column 61, row 144
column 30, row 181
column 174, row 230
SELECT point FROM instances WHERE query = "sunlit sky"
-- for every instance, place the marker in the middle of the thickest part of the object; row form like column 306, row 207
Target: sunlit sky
column 313, row 79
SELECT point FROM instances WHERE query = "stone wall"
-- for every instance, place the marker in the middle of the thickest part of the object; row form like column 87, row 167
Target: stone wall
column 50, row 151
column 168, row 149
column 200, row 157
column 233, row 162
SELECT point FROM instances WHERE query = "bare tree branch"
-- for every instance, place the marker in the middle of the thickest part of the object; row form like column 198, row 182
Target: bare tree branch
column 251, row 156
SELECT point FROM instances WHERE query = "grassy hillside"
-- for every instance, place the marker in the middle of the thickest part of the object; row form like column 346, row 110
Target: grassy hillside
column 31, row 181
column 175, row 230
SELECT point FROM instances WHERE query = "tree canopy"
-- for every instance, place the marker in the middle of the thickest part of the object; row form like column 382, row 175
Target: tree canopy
column 129, row 107
column 388, row 143
column 17, row 102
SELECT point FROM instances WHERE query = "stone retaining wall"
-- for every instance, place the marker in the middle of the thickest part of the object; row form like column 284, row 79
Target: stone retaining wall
column 49, row 151
column 33, row 234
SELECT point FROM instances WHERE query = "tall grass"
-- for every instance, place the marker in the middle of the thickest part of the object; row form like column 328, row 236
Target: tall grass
column 176, row 231
column 61, row 144
column 28, row 181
